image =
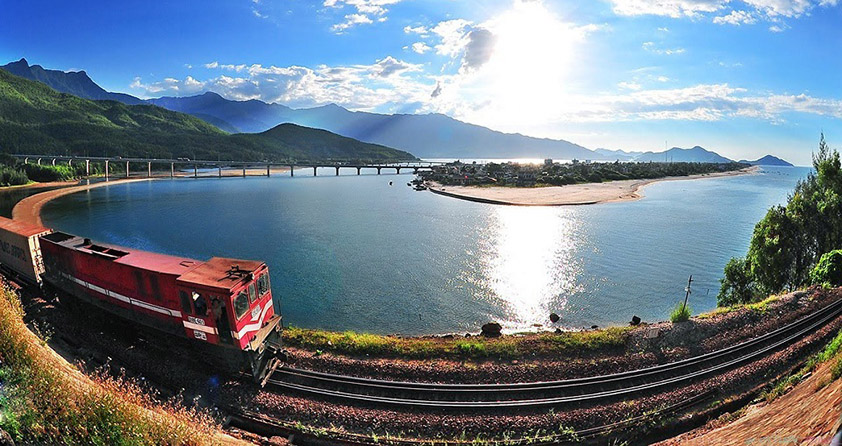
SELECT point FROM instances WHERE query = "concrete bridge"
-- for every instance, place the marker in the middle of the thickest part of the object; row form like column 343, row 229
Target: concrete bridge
column 219, row 165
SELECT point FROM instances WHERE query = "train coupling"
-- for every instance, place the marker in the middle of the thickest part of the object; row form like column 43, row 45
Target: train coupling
column 266, row 351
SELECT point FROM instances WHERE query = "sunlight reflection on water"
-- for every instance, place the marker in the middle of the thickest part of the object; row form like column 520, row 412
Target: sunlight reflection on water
column 532, row 263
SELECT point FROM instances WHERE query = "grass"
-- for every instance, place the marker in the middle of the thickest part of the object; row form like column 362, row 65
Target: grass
column 680, row 313
column 832, row 351
column 506, row 347
column 760, row 306
column 44, row 400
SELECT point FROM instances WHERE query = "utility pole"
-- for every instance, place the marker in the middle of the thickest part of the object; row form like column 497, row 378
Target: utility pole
column 687, row 295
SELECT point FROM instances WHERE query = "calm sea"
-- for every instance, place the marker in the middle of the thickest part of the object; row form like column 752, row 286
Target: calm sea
column 356, row 253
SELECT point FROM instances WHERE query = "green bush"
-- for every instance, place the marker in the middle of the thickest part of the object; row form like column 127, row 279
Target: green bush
column 43, row 174
column 737, row 287
column 828, row 272
column 12, row 177
column 680, row 313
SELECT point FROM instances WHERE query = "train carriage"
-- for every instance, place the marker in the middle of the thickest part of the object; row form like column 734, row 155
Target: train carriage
column 20, row 249
column 223, row 305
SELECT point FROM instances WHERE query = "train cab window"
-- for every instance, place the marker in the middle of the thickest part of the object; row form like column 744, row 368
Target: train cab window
column 263, row 284
column 252, row 294
column 185, row 302
column 241, row 304
column 199, row 304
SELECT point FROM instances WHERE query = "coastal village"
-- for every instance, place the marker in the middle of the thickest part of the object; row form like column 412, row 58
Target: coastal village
column 551, row 173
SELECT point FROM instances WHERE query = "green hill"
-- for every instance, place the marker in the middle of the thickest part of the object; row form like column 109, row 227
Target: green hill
column 34, row 118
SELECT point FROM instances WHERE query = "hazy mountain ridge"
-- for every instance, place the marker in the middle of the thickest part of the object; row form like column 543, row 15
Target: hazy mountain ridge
column 35, row 118
column 768, row 160
column 428, row 135
column 695, row 154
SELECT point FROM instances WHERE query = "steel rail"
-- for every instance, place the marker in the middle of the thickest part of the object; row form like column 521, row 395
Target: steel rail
column 635, row 381
column 263, row 425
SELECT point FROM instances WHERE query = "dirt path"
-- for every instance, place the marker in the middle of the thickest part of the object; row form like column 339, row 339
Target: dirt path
column 807, row 415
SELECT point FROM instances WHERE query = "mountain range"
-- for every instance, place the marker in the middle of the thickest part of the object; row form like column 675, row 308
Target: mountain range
column 425, row 135
column 768, row 160
column 35, row 118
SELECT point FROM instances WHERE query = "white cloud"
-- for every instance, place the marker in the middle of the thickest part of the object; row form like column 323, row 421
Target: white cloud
column 351, row 20
column 367, row 11
column 769, row 10
column 629, row 85
column 650, row 46
column 452, row 35
column 388, row 83
column 420, row 30
column 420, row 47
column 670, row 8
column 736, row 18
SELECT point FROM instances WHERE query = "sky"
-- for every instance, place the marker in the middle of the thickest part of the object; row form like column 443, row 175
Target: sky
column 740, row 77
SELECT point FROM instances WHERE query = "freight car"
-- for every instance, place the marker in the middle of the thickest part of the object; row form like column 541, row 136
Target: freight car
column 223, row 306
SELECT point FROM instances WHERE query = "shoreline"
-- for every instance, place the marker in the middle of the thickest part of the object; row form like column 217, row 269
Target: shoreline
column 569, row 195
column 29, row 208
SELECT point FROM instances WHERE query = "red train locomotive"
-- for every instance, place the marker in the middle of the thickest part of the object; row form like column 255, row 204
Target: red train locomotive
column 223, row 305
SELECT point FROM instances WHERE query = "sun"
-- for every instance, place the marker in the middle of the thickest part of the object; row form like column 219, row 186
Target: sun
column 526, row 76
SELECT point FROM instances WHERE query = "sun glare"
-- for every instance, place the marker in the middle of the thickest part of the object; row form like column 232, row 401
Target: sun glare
column 525, row 78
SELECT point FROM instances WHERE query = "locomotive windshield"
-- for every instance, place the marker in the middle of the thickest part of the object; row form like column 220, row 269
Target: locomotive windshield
column 241, row 304
column 263, row 284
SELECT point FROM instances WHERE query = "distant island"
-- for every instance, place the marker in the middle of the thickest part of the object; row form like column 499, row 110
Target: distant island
column 768, row 160
column 555, row 184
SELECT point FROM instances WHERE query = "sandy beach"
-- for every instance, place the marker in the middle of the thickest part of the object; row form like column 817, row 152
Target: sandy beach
column 570, row 195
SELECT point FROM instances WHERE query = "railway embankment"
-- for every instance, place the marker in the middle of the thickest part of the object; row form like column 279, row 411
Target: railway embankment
column 46, row 400
column 544, row 356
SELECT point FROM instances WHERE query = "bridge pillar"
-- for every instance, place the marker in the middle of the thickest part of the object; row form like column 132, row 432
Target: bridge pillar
column 106, row 169
column 70, row 162
column 195, row 171
column 378, row 171
column 149, row 169
column 39, row 161
column 268, row 170
column 314, row 170
column 291, row 170
column 172, row 170
column 87, row 168
column 127, row 169
column 398, row 170
column 54, row 161
column 414, row 170
column 358, row 170
column 26, row 160
column 337, row 170
column 244, row 170
column 219, row 171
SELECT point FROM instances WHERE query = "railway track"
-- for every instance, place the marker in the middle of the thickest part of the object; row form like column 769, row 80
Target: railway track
column 267, row 426
column 536, row 395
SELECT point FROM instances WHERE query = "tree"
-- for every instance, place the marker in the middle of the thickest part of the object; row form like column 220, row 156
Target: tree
column 771, row 253
column 828, row 272
column 737, row 287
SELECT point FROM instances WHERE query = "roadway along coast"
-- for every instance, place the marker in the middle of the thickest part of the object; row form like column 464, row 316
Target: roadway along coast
column 569, row 195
